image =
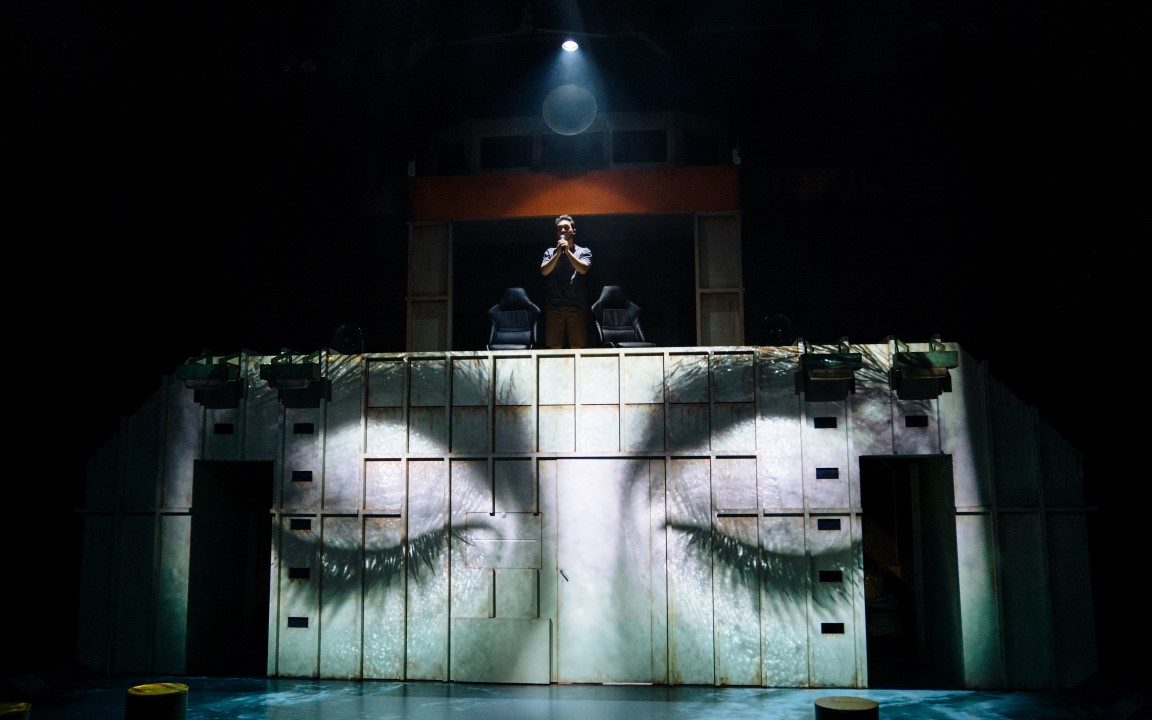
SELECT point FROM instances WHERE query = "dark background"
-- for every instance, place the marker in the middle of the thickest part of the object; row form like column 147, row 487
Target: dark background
column 186, row 177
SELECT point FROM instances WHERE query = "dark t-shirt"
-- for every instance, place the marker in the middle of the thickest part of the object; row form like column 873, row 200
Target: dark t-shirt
column 565, row 285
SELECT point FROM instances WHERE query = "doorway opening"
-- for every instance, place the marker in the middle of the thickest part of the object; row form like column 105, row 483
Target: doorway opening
column 911, row 586
column 228, row 575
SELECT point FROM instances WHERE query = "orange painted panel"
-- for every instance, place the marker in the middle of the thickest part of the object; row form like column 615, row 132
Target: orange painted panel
column 600, row 192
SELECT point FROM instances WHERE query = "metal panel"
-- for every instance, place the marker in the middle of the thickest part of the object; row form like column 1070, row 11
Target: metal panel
column 600, row 379
column 141, row 457
column 515, row 380
column 384, row 486
column 557, row 428
column 473, row 588
column 557, row 380
column 603, row 555
column 691, row 656
column 218, row 444
column 135, row 594
column 688, row 380
column 643, row 428
column 599, row 429
column 502, row 540
column 832, row 657
column 172, row 595
column 825, row 448
column 517, row 593
column 183, row 436
column 501, row 650
column 387, row 382
column 470, row 430
column 979, row 602
column 643, row 379
column 736, row 572
column 261, row 412
column 96, row 597
column 343, row 434
column 387, row 432
column 778, row 436
column 302, row 433
column 428, row 322
column 385, row 610
column 733, row 377
column 341, row 565
column 549, row 573
column 1025, row 592
column 965, row 433
column 733, row 427
column 427, row 431
column 428, row 530
column 784, row 601
column 515, row 429
column 869, row 409
column 428, row 383
column 720, row 319
column 1071, row 595
column 514, row 485
column 652, row 471
column 1014, row 451
column 471, row 381
column 916, row 440
column 688, row 428
column 297, row 652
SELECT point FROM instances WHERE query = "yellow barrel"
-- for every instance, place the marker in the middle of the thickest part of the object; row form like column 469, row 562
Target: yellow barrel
column 15, row 710
column 156, row 701
column 849, row 707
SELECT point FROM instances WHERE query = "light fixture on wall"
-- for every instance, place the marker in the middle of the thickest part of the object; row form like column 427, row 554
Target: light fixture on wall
column 215, row 384
column 827, row 377
column 922, row 375
column 297, row 379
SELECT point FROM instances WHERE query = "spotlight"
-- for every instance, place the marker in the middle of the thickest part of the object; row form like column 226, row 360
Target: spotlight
column 570, row 45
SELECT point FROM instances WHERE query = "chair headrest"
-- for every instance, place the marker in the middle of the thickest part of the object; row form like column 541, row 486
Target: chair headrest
column 613, row 296
column 515, row 297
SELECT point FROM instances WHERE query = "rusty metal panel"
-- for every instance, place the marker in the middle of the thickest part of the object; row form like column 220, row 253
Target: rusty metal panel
column 514, row 486
column 691, row 655
column 557, row 428
column 832, row 616
column 599, row 379
column 643, row 428
column 384, row 486
column 1025, row 593
column 428, row 572
column 599, row 429
column 299, row 619
column 386, row 431
column 302, row 475
column 785, row 587
column 470, row 430
column 501, row 650
column 643, row 379
column 172, row 595
column 688, row 428
column 343, row 434
column 340, row 597
column 779, row 431
column 515, row 381
column 387, row 382
column 824, row 456
column 385, row 592
column 183, row 438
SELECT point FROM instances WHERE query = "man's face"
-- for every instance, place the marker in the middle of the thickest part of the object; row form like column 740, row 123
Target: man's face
column 565, row 230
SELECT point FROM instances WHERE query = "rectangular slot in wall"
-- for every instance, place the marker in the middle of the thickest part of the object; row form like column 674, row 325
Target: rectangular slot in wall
column 300, row 523
column 827, row 473
column 824, row 423
column 299, row 573
column 916, row 421
column 303, row 428
column 297, row 622
column 223, row 429
column 827, row 523
column 831, row 628
column 301, row 476
column 831, row 576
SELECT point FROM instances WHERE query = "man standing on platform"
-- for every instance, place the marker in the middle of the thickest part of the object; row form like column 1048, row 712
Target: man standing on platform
column 564, row 268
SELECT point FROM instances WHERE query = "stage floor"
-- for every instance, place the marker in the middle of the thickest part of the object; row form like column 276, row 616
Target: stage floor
column 213, row 698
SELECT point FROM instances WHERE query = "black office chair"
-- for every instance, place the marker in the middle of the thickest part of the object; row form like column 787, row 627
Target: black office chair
column 618, row 319
column 514, row 320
